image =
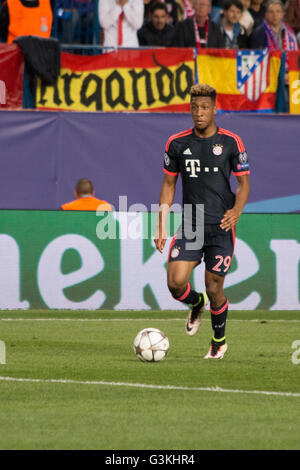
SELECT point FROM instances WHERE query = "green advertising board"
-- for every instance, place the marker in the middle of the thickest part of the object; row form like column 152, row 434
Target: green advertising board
column 81, row 260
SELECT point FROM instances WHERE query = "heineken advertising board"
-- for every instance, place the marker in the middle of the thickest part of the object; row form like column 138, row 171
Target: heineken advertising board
column 84, row 260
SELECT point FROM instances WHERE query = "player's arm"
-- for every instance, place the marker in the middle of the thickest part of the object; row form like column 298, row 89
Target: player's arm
column 231, row 217
column 166, row 198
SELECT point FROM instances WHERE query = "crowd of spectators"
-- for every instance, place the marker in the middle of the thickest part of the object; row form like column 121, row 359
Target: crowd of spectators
column 230, row 24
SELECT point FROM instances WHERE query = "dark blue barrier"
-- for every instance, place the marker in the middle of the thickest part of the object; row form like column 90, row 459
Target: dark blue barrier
column 47, row 152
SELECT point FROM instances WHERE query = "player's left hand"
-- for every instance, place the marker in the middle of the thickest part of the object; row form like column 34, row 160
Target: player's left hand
column 230, row 219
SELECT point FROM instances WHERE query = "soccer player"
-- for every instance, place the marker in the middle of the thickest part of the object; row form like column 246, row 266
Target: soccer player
column 205, row 156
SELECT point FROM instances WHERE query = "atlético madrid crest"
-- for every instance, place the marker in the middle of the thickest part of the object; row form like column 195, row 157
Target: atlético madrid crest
column 253, row 73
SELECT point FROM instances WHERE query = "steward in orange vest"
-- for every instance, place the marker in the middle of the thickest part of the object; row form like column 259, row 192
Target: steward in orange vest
column 85, row 199
column 87, row 203
column 29, row 18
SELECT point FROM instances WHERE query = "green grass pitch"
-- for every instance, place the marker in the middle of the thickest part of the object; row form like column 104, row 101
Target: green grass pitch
column 84, row 397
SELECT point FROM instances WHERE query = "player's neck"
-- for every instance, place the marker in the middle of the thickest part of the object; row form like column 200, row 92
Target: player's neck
column 205, row 133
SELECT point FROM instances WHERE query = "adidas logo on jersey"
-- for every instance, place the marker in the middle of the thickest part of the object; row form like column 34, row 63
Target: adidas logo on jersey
column 187, row 152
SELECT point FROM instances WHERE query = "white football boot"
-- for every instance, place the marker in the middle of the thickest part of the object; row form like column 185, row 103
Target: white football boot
column 217, row 349
column 194, row 317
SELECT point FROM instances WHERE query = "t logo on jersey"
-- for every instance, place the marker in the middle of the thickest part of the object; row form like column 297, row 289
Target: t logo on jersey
column 193, row 167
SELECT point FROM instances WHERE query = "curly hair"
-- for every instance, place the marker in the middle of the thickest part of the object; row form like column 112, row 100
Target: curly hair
column 202, row 89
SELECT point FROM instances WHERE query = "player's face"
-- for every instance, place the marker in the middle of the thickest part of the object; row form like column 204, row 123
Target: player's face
column 203, row 111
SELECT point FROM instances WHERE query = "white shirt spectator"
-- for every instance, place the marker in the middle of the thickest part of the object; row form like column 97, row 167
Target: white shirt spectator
column 247, row 21
column 120, row 20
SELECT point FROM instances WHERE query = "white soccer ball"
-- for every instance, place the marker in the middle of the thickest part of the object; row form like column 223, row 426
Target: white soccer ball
column 151, row 345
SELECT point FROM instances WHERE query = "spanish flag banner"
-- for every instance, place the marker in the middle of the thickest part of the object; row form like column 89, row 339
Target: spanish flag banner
column 11, row 76
column 245, row 80
column 124, row 80
column 293, row 60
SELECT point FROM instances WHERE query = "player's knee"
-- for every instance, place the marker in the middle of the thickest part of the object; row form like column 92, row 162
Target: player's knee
column 176, row 285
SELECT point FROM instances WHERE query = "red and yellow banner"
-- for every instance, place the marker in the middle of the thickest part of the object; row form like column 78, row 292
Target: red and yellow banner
column 11, row 76
column 126, row 80
column 245, row 80
column 293, row 60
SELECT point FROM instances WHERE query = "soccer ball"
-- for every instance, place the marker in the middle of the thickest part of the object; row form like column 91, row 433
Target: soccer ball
column 151, row 345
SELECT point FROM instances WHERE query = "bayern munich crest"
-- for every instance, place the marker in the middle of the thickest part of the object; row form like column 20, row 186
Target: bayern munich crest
column 175, row 252
column 217, row 149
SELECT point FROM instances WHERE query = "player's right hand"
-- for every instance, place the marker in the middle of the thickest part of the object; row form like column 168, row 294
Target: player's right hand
column 161, row 234
column 160, row 243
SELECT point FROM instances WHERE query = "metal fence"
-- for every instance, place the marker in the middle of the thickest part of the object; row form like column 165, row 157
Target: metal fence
column 76, row 22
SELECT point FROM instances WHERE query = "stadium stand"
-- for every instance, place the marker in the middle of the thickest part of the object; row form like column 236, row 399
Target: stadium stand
column 234, row 33
column 120, row 21
column 76, row 21
column 76, row 26
column 292, row 15
column 156, row 31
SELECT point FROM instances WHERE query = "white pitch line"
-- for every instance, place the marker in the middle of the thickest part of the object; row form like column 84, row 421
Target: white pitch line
column 92, row 319
column 151, row 386
column 254, row 320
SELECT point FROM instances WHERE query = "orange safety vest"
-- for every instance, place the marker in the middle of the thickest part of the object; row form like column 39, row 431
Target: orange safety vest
column 25, row 21
column 89, row 203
